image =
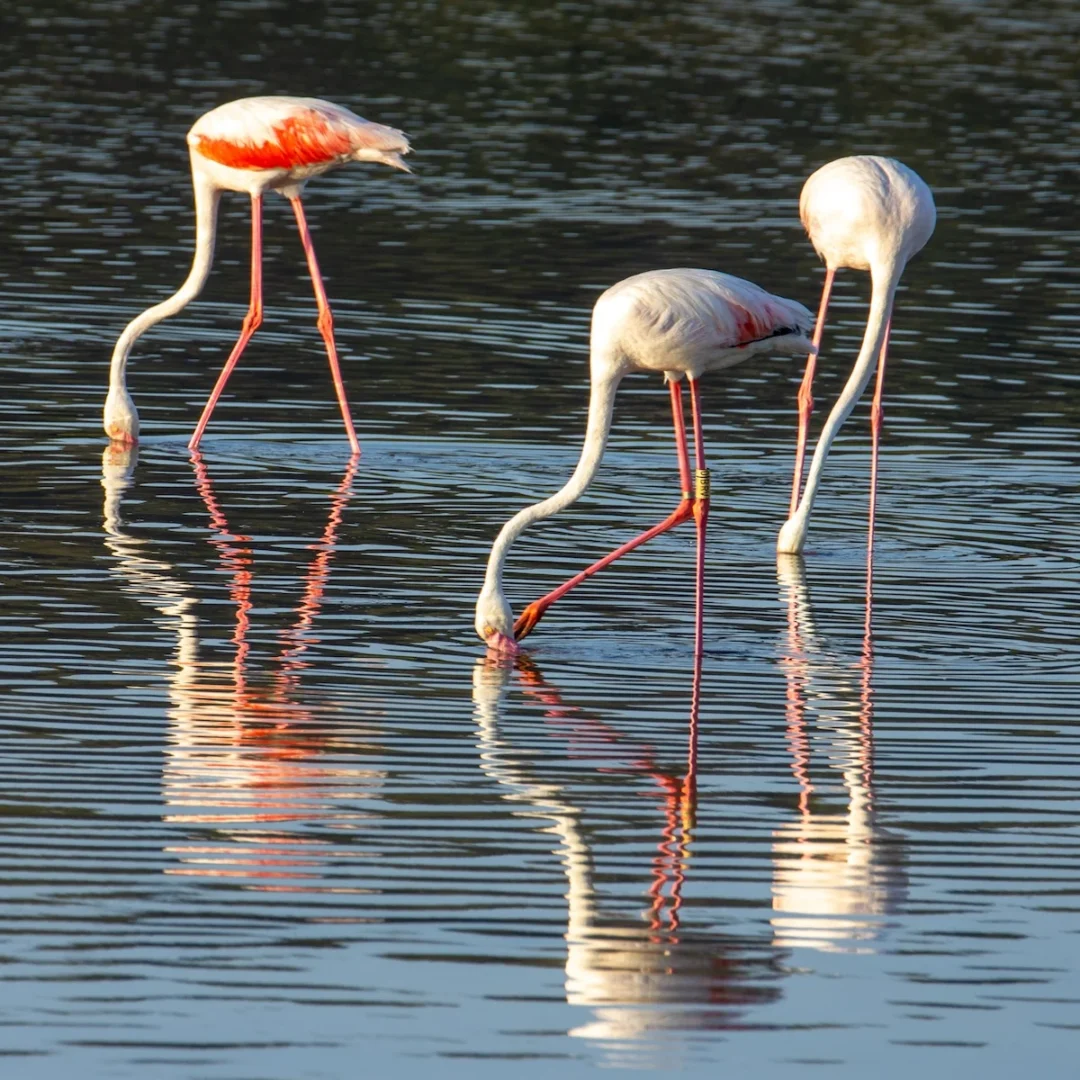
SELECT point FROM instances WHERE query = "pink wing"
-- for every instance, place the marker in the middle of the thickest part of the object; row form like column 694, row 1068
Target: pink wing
column 705, row 307
column 288, row 133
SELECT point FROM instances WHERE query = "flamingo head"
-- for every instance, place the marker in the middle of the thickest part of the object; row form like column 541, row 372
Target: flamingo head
column 384, row 157
column 495, row 621
column 792, row 537
column 120, row 418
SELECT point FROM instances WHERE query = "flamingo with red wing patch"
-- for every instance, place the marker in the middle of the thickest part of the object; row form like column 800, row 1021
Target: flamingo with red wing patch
column 256, row 145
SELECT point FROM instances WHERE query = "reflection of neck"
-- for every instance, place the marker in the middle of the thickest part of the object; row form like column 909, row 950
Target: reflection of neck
column 592, row 967
column 142, row 576
column 802, row 661
column 828, row 865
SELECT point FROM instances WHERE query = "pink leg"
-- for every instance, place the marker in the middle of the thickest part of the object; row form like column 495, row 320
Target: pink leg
column 535, row 611
column 252, row 321
column 876, row 416
column 326, row 321
column 806, row 397
column 701, row 517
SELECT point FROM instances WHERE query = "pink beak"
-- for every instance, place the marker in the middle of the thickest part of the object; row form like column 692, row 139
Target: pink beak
column 500, row 643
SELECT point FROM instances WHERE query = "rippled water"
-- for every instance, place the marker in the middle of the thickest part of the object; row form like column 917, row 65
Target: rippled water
column 267, row 810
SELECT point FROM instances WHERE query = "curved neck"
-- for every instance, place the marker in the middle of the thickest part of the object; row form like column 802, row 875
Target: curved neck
column 207, row 197
column 601, row 407
column 885, row 279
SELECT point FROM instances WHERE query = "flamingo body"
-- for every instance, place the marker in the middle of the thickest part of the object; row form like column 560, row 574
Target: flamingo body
column 865, row 213
column 678, row 323
column 255, row 145
column 862, row 212
column 686, row 322
column 273, row 143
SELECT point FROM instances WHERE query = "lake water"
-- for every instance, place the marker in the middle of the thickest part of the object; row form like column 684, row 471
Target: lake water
column 268, row 812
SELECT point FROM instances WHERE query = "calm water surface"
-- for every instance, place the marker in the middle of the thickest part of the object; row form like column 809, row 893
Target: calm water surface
column 267, row 811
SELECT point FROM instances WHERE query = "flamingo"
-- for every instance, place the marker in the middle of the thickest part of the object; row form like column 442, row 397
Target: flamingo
column 255, row 145
column 677, row 323
column 867, row 213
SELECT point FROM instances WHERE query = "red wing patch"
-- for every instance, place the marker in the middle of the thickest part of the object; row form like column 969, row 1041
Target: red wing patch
column 301, row 140
column 747, row 328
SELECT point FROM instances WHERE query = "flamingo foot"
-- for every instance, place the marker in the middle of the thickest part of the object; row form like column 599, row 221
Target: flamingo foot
column 528, row 619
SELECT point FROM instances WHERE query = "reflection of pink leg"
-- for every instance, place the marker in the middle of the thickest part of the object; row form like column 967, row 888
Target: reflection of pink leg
column 680, row 795
column 695, row 714
column 326, row 321
column 866, row 699
column 535, row 611
column 876, row 416
column 668, row 872
column 236, row 557
column 252, row 321
column 806, row 397
column 296, row 640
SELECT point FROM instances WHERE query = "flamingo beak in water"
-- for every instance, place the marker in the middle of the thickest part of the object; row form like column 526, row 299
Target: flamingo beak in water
column 500, row 643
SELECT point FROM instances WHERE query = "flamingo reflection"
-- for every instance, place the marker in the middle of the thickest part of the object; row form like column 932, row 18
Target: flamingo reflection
column 837, row 873
column 247, row 765
column 649, row 972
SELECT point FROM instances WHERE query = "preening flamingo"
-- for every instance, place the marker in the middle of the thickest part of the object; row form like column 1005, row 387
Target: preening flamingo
column 255, row 145
column 868, row 213
column 676, row 323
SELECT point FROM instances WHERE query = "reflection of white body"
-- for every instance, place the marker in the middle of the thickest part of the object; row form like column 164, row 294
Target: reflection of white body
column 835, row 872
column 239, row 760
column 614, row 963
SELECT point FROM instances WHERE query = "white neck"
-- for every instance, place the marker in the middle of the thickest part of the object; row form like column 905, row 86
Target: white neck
column 601, row 407
column 207, row 198
column 885, row 278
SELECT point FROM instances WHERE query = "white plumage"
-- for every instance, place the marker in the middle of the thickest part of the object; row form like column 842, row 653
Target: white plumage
column 862, row 212
column 688, row 322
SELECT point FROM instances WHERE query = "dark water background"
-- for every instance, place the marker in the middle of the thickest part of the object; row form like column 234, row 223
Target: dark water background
column 266, row 812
